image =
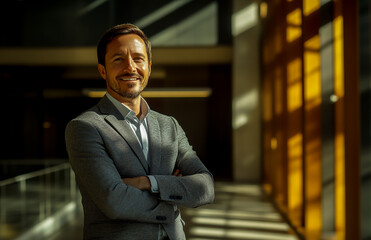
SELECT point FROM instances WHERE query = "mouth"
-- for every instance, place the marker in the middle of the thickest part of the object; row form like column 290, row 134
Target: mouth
column 129, row 78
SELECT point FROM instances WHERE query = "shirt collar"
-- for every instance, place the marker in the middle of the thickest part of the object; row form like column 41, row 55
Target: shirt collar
column 126, row 112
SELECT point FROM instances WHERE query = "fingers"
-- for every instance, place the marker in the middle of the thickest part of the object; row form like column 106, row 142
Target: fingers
column 177, row 173
column 141, row 182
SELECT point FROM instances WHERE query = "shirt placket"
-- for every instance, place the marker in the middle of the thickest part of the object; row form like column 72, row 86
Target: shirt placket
column 141, row 133
column 144, row 138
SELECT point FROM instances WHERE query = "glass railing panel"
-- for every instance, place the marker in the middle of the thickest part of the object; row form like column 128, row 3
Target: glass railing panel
column 29, row 201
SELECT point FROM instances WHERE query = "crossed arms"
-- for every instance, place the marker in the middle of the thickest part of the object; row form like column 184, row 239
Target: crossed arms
column 191, row 185
column 143, row 183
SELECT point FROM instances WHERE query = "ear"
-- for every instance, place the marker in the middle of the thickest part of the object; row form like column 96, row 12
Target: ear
column 102, row 71
column 149, row 68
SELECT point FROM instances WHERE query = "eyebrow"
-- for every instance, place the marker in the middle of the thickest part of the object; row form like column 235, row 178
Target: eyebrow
column 120, row 54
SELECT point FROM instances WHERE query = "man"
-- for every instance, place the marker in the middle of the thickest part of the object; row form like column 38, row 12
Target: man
column 134, row 166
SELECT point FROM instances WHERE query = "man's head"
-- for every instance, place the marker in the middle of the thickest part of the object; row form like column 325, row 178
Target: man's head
column 124, row 61
column 116, row 31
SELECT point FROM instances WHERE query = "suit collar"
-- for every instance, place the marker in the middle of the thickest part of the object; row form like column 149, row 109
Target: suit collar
column 108, row 108
column 126, row 112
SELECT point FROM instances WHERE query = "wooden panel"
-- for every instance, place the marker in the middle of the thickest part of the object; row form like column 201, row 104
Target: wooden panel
column 312, row 120
column 294, row 88
column 351, row 119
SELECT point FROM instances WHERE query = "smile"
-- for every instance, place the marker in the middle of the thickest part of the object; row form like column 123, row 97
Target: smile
column 129, row 79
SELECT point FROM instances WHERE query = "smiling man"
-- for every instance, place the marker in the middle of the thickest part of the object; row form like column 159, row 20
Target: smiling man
column 134, row 166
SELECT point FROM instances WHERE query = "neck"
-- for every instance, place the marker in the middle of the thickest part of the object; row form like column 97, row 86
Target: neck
column 132, row 103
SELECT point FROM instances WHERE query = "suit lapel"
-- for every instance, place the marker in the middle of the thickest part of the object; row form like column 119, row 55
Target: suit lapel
column 117, row 121
column 155, row 144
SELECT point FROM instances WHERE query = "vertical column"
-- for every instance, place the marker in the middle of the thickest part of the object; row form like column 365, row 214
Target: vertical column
column 365, row 91
column 280, row 115
column 246, row 116
column 351, row 117
column 312, row 124
column 327, row 117
column 294, row 69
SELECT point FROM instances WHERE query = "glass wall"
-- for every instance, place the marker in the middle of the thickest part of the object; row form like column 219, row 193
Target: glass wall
column 34, row 205
column 316, row 111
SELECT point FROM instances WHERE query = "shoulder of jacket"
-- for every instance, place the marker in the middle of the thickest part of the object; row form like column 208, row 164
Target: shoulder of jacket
column 164, row 119
column 89, row 115
column 159, row 115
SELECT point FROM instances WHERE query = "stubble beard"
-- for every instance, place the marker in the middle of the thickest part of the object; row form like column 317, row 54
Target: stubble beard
column 131, row 93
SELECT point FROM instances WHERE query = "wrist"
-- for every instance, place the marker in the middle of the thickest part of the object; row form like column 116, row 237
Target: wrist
column 146, row 184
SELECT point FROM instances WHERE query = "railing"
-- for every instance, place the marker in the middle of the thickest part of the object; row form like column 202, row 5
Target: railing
column 35, row 204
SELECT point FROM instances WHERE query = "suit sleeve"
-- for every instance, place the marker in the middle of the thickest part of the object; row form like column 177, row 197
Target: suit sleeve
column 99, row 179
column 196, row 187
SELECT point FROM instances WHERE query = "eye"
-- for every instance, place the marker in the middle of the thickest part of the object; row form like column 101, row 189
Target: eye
column 117, row 59
column 139, row 59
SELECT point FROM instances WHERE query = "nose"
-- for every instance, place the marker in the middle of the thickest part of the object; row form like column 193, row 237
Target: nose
column 130, row 66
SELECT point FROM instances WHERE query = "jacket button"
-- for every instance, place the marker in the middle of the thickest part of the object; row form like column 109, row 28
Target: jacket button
column 175, row 197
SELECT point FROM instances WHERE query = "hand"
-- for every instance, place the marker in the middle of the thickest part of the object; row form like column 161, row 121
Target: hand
column 141, row 182
column 177, row 173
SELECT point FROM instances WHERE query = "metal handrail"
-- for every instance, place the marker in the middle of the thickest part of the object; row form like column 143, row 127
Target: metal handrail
column 38, row 173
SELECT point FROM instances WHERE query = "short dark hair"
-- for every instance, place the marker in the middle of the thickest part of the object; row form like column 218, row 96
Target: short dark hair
column 118, row 30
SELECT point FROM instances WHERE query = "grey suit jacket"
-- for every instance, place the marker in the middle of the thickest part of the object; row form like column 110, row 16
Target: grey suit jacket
column 103, row 149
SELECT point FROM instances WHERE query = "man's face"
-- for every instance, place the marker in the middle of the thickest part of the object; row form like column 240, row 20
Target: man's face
column 126, row 69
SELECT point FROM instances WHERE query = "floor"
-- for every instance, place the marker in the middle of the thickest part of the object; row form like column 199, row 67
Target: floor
column 240, row 212
column 45, row 205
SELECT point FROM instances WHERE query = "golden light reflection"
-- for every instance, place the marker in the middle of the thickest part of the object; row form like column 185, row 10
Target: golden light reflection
column 313, row 213
column 338, row 58
column 312, row 71
column 310, row 6
column 294, row 17
column 340, row 185
column 294, row 91
column 177, row 93
column 293, row 30
column 312, row 98
column 295, row 182
column 274, row 143
column 294, row 71
column 339, row 129
column 263, row 9
column 161, row 93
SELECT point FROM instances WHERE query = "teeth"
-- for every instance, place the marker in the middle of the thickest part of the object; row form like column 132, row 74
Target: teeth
column 128, row 79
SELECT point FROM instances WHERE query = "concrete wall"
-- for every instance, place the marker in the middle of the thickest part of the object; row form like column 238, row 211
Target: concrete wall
column 246, row 103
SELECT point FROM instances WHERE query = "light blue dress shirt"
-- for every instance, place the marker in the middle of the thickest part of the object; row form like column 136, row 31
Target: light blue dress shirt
column 140, row 129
